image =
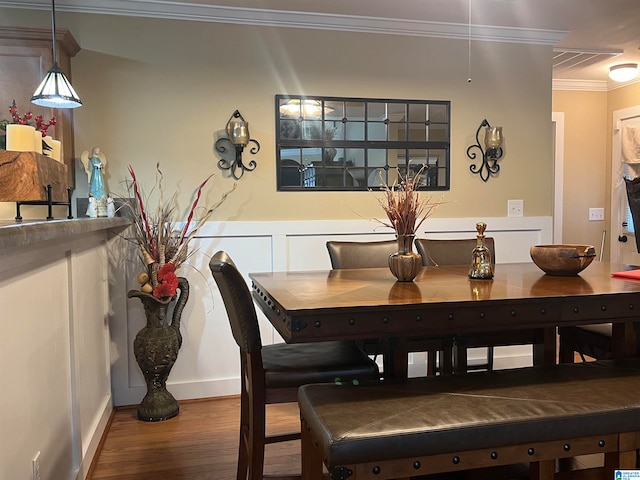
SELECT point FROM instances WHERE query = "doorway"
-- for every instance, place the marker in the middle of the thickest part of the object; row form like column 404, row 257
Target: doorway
column 623, row 244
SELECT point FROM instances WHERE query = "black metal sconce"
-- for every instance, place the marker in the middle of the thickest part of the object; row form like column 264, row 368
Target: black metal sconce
column 490, row 154
column 238, row 132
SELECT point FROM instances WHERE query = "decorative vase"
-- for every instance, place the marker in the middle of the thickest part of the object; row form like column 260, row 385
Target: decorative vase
column 156, row 350
column 405, row 264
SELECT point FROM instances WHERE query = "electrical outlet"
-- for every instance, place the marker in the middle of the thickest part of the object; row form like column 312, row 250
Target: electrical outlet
column 515, row 208
column 35, row 465
column 596, row 214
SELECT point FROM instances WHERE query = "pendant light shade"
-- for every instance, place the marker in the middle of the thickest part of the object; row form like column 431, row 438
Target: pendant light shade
column 55, row 90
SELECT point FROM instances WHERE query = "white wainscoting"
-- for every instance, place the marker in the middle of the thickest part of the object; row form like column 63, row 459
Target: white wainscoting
column 208, row 363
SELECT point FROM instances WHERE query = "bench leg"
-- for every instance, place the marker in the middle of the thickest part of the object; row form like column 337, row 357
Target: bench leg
column 311, row 455
column 543, row 470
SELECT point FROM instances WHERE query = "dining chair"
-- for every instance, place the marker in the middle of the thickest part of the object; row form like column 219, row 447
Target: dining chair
column 376, row 255
column 272, row 373
column 588, row 340
column 435, row 252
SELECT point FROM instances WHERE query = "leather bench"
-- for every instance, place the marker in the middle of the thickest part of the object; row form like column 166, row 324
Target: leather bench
column 459, row 422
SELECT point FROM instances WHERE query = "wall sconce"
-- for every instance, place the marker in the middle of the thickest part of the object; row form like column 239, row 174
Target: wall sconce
column 238, row 132
column 490, row 154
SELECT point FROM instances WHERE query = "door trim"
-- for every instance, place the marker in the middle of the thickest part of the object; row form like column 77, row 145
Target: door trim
column 557, row 119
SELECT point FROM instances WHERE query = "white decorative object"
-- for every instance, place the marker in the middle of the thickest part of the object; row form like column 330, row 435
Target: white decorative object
column 92, row 210
column 20, row 138
column 111, row 208
column 37, row 145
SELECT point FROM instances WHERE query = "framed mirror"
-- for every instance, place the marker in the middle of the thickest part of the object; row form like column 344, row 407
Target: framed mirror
column 351, row 144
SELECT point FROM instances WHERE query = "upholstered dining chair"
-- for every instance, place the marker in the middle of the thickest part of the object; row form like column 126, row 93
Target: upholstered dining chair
column 376, row 255
column 272, row 373
column 436, row 252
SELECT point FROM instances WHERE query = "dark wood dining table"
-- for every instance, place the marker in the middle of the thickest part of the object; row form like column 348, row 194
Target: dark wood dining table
column 313, row 306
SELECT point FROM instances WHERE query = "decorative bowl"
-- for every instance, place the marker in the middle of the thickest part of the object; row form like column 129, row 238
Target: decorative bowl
column 562, row 260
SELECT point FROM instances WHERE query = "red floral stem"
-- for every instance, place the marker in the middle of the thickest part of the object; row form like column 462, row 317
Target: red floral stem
column 193, row 208
column 142, row 212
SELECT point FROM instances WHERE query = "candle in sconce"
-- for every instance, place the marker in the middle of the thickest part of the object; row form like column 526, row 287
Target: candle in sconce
column 37, row 146
column 493, row 137
column 20, row 138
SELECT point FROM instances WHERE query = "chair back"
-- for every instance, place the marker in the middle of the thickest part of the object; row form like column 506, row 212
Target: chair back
column 360, row 254
column 237, row 301
column 450, row 252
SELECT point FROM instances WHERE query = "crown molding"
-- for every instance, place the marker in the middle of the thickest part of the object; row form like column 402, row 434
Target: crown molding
column 590, row 85
column 580, row 85
column 294, row 19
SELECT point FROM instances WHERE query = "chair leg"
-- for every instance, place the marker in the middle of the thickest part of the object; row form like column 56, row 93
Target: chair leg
column 256, row 438
column 245, row 431
column 566, row 354
column 446, row 360
column 460, row 358
column 489, row 359
column 432, row 356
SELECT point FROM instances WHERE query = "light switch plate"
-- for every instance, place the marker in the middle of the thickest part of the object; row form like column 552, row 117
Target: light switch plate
column 515, row 208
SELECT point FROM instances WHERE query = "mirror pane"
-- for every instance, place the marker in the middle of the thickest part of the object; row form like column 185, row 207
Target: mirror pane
column 377, row 157
column 417, row 113
column 438, row 133
column 438, row 113
column 376, row 112
column 354, row 110
column 396, row 112
column 354, row 131
column 377, row 131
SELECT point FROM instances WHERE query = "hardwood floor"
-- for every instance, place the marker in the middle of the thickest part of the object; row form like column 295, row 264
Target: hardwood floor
column 202, row 441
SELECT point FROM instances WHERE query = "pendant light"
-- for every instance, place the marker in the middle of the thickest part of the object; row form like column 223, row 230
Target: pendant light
column 55, row 90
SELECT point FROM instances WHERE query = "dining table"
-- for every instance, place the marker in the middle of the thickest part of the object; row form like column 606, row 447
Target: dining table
column 364, row 303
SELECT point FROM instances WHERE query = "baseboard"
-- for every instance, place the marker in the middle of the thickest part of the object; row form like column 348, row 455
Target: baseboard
column 94, row 445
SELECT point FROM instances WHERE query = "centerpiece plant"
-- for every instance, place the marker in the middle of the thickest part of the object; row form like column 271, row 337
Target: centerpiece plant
column 406, row 211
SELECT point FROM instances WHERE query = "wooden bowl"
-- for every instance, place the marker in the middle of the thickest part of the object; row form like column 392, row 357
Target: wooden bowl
column 562, row 260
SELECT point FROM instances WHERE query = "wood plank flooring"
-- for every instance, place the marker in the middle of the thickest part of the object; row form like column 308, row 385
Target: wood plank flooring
column 202, row 441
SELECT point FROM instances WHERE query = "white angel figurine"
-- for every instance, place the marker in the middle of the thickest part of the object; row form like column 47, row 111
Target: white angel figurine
column 94, row 166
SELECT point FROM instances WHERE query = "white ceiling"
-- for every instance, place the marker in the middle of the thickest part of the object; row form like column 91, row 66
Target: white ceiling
column 607, row 30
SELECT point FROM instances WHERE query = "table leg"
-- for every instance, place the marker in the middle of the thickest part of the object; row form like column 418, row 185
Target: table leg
column 398, row 357
column 544, row 353
column 623, row 340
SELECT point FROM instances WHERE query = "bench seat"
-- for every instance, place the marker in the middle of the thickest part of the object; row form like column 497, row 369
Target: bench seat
column 444, row 423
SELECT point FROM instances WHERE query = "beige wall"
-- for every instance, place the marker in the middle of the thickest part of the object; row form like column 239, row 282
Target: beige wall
column 585, row 165
column 159, row 90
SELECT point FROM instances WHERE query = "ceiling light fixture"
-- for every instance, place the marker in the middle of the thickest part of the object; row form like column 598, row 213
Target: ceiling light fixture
column 55, row 90
column 623, row 72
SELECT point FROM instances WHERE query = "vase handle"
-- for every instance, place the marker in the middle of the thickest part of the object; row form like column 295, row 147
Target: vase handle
column 183, row 285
